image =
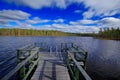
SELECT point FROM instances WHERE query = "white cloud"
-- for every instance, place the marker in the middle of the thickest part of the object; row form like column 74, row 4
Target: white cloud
column 77, row 11
column 60, row 3
column 84, row 21
column 14, row 14
column 7, row 16
column 59, row 20
column 101, row 8
column 78, row 26
column 104, row 22
column 88, row 21
column 95, row 7
column 36, row 20
column 88, row 14
column 4, row 21
column 37, row 4
column 75, row 28
column 25, row 26
column 61, row 27
column 110, row 22
column 69, row 28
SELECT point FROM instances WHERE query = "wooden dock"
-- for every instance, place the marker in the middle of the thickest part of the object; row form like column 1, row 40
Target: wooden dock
column 51, row 67
column 43, row 62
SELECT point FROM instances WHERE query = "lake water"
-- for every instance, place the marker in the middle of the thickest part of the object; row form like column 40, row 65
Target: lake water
column 103, row 61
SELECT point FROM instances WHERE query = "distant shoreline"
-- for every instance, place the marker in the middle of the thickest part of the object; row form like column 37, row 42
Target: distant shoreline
column 106, row 38
column 31, row 32
column 106, row 35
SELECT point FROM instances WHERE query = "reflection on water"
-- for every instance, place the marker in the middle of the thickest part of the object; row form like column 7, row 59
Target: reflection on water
column 103, row 60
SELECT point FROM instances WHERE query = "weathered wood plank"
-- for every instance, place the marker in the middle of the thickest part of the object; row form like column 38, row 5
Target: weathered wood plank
column 50, row 68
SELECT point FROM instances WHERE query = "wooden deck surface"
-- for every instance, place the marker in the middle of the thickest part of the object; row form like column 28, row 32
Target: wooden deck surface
column 51, row 67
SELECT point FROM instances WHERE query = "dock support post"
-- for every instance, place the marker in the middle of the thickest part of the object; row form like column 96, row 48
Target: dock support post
column 21, row 73
column 18, row 54
column 71, row 44
column 61, row 47
column 35, row 44
column 50, row 50
column 56, row 50
column 86, row 54
column 67, row 61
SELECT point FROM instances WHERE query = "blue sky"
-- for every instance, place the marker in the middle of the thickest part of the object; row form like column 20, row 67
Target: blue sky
column 79, row 16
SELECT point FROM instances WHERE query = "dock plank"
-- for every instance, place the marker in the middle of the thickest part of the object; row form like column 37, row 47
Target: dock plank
column 51, row 67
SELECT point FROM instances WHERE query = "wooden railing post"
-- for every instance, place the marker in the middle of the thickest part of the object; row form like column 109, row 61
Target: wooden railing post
column 61, row 46
column 65, row 46
column 71, row 44
column 37, row 57
column 35, row 44
column 86, row 54
column 67, row 59
column 21, row 73
column 41, row 44
column 50, row 50
column 76, row 70
column 55, row 50
column 29, row 52
column 18, row 54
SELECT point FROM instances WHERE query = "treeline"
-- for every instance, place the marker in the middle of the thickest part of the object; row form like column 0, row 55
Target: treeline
column 84, row 34
column 105, row 33
column 108, row 33
column 31, row 32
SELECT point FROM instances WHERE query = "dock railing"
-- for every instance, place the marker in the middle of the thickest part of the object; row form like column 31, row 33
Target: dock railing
column 76, row 63
column 28, row 58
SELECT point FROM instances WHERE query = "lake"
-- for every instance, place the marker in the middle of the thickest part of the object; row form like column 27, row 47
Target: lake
column 103, row 61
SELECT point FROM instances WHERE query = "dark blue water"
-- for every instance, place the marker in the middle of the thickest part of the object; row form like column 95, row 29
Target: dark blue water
column 103, row 59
